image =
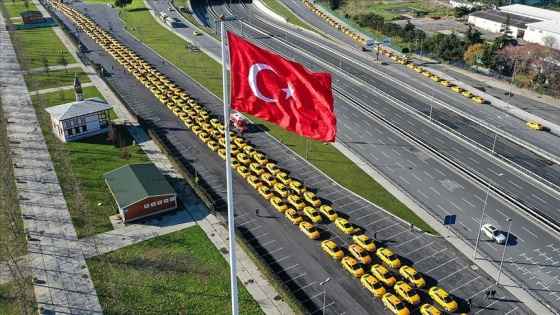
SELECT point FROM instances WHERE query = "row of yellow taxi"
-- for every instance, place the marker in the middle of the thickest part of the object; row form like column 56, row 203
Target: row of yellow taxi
column 334, row 23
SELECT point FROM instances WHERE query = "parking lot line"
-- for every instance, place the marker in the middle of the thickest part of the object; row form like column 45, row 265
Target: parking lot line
column 285, row 268
column 404, row 231
column 294, row 278
column 457, row 288
column 326, row 306
column 264, row 244
column 441, row 251
column 250, row 230
column 254, row 238
column 253, row 220
column 449, row 275
column 356, row 209
column 367, row 215
column 512, row 310
column 401, row 244
column 445, row 263
column 312, row 283
column 274, row 251
column 482, row 308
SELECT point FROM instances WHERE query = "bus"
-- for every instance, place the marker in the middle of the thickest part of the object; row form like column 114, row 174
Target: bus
column 163, row 15
column 170, row 21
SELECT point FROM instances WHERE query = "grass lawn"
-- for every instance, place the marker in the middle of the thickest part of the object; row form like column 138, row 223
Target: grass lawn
column 276, row 6
column 56, row 78
column 15, row 8
column 178, row 273
column 330, row 160
column 66, row 96
column 42, row 42
column 360, row 6
column 11, row 302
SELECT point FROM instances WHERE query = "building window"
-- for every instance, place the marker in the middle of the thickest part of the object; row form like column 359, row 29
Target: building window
column 159, row 202
column 84, row 128
column 153, row 204
column 146, row 206
column 166, row 200
column 70, row 133
column 77, row 129
column 172, row 199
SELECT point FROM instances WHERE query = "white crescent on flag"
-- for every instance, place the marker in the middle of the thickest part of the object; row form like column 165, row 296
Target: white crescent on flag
column 254, row 71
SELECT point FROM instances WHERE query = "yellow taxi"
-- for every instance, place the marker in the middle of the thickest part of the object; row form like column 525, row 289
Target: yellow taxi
column 239, row 142
column 243, row 159
column 260, row 158
column 534, row 125
column 373, row 285
column 328, row 212
column 278, row 204
column 441, row 297
column 359, row 253
column 312, row 214
column 256, row 168
column 265, row 192
column 427, row 73
column 445, row 83
column 254, row 181
column 364, row 241
column 411, row 65
column 249, row 150
column 222, row 153
column 213, row 145
column 196, row 33
column 352, row 266
column 234, row 163
column 272, row 168
column 243, row 171
column 388, row 257
column 296, row 202
column 428, row 309
column 309, row 230
column 293, row 216
column 412, row 276
column 418, row 69
column 189, row 123
column 281, row 190
column 467, row 94
column 479, row 100
column 284, row 178
column 345, row 226
column 312, row 199
column 457, row 89
column 407, row 293
column 297, row 187
column 383, row 275
column 215, row 122
column 332, row 249
column 204, row 137
column 435, row 78
column 268, row 179
column 394, row 304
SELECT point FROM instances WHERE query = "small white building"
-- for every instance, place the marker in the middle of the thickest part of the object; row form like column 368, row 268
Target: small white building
column 77, row 120
column 492, row 21
column 531, row 12
column 545, row 33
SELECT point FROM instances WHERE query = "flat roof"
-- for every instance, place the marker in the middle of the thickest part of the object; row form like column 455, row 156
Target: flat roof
column 500, row 17
column 552, row 26
column 532, row 12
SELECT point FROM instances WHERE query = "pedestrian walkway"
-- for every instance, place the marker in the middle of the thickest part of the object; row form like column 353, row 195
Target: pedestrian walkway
column 57, row 89
column 64, row 284
column 247, row 272
column 55, row 68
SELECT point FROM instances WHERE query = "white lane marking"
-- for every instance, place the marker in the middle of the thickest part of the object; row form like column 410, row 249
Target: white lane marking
column 355, row 115
column 305, row 286
column 404, row 180
column 384, row 153
column 449, row 275
column 424, row 131
column 374, row 157
column 439, row 171
column 399, row 164
column 417, row 237
column 360, row 146
column 366, row 122
column 495, row 173
column 411, row 123
column 294, row 278
column 529, row 232
column 419, row 248
column 470, row 158
column 411, row 163
column 466, row 227
column 269, row 253
column 369, row 133
column 422, row 193
column 379, row 131
column 396, row 152
column 264, row 244
column 443, row 209
column 457, row 288
column 445, row 263
column 538, row 198
column 416, row 177
column 428, row 175
column 432, row 255
column 435, row 190
column 392, row 139
column 465, row 200
column 439, row 140
column 355, row 123
column 456, row 206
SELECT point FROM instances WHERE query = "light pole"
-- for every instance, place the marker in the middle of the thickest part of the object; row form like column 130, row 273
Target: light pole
column 324, row 293
column 511, row 84
column 194, row 164
column 432, row 100
column 494, row 144
column 482, row 217
column 504, row 253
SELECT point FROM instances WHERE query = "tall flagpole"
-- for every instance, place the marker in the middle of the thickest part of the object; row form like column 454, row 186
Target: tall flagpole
column 231, row 224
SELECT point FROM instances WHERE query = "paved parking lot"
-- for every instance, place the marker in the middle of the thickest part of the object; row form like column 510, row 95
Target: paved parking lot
column 298, row 261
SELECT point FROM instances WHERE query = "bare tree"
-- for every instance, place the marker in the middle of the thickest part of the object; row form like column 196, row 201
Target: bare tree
column 551, row 42
column 125, row 153
column 112, row 135
column 45, row 61
column 63, row 62
column 26, row 4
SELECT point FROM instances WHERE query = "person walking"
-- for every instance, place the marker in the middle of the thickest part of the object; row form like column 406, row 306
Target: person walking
column 411, row 227
column 375, row 236
column 469, row 302
column 257, row 212
column 486, row 294
column 493, row 293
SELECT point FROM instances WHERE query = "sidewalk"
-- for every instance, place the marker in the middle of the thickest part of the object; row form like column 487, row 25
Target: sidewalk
column 247, row 272
column 54, row 254
column 56, row 89
column 55, row 68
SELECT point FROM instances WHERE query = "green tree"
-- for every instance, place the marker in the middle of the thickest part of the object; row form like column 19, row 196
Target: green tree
column 505, row 38
column 122, row 3
column 473, row 36
column 473, row 53
column 63, row 62
column 489, row 57
column 45, row 62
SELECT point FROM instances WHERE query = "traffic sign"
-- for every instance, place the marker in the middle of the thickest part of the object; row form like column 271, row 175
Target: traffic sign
column 449, row 219
column 387, row 41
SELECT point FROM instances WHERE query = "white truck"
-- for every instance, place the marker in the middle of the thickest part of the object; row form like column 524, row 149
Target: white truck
column 239, row 122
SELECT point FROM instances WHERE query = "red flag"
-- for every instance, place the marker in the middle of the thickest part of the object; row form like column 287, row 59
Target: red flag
column 281, row 91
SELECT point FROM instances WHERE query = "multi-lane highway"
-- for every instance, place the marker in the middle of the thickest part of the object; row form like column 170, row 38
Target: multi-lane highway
column 438, row 202
column 280, row 243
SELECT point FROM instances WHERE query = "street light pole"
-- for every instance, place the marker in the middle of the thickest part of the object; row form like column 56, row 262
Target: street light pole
column 432, row 100
column 482, row 217
column 494, row 144
column 324, row 293
column 504, row 253
column 511, row 84
column 194, row 164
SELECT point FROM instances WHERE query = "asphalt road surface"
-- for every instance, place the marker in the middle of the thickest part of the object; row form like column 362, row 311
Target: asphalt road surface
column 302, row 267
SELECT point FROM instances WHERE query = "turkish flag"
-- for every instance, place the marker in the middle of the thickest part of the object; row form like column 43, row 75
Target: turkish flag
column 281, row 91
